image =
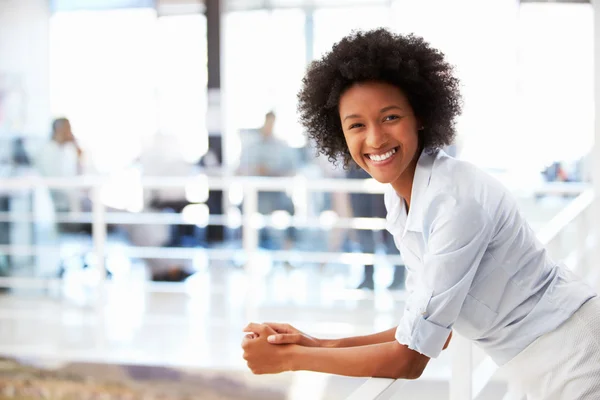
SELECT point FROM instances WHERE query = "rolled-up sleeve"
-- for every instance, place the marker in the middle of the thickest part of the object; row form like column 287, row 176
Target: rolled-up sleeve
column 456, row 234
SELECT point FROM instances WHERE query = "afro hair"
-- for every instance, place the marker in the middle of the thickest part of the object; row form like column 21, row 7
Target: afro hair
column 407, row 62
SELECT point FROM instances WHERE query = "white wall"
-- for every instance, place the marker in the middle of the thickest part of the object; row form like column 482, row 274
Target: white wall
column 24, row 63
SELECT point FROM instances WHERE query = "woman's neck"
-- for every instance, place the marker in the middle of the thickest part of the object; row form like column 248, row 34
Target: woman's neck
column 403, row 185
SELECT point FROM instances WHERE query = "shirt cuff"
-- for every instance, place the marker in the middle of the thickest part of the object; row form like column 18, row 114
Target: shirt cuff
column 424, row 336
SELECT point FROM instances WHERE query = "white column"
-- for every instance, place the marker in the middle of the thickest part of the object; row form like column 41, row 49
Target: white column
column 250, row 233
column 99, row 231
column 99, row 240
column 250, row 239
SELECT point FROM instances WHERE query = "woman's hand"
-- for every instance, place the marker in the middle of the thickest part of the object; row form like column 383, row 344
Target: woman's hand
column 287, row 334
column 261, row 356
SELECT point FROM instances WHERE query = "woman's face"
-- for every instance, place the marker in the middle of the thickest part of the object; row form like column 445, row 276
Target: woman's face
column 381, row 130
column 63, row 133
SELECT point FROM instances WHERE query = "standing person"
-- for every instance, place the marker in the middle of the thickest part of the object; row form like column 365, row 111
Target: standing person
column 367, row 205
column 61, row 157
column 271, row 156
column 388, row 102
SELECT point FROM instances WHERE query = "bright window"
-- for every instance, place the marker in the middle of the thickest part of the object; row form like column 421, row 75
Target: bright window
column 264, row 60
column 556, row 75
column 332, row 24
column 181, row 82
column 103, row 78
column 122, row 76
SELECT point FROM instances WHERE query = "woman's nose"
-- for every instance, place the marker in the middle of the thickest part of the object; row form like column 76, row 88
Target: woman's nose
column 376, row 137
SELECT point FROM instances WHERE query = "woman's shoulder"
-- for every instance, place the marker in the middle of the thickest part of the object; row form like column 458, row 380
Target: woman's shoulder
column 456, row 169
column 459, row 187
column 463, row 179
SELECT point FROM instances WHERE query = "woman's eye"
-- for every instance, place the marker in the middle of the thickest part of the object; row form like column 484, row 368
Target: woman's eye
column 355, row 126
column 391, row 117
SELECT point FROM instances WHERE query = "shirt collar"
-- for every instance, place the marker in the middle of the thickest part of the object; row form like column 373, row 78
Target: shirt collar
column 414, row 220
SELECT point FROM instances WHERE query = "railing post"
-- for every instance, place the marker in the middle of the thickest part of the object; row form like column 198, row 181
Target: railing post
column 250, row 243
column 99, row 240
column 99, row 231
column 249, row 231
column 461, row 383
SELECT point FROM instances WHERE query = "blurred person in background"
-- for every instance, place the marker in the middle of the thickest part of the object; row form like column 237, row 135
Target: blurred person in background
column 270, row 156
column 61, row 157
column 367, row 205
column 556, row 172
column 323, row 205
column 389, row 102
column 20, row 156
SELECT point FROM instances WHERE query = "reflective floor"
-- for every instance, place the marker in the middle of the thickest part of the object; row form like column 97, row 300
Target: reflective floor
column 200, row 327
column 198, row 324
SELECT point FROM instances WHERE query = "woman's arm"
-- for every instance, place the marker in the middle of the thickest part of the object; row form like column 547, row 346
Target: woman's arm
column 389, row 360
column 376, row 338
column 383, row 360
column 287, row 334
column 354, row 341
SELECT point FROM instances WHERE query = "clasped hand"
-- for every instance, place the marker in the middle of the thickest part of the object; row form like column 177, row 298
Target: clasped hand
column 268, row 348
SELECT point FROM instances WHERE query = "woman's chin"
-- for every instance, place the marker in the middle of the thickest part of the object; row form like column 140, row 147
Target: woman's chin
column 382, row 178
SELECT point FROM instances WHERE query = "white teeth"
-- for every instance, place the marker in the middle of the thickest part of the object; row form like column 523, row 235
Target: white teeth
column 382, row 157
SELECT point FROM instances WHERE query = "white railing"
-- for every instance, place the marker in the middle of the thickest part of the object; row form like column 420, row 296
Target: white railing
column 250, row 223
column 251, row 220
column 568, row 237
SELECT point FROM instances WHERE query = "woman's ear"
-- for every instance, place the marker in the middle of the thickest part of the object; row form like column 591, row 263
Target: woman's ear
column 419, row 123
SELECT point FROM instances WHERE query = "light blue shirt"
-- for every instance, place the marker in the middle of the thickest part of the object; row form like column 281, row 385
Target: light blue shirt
column 474, row 264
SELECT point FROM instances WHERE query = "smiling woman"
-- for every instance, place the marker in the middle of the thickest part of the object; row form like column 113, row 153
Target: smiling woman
column 388, row 102
column 420, row 84
column 381, row 130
